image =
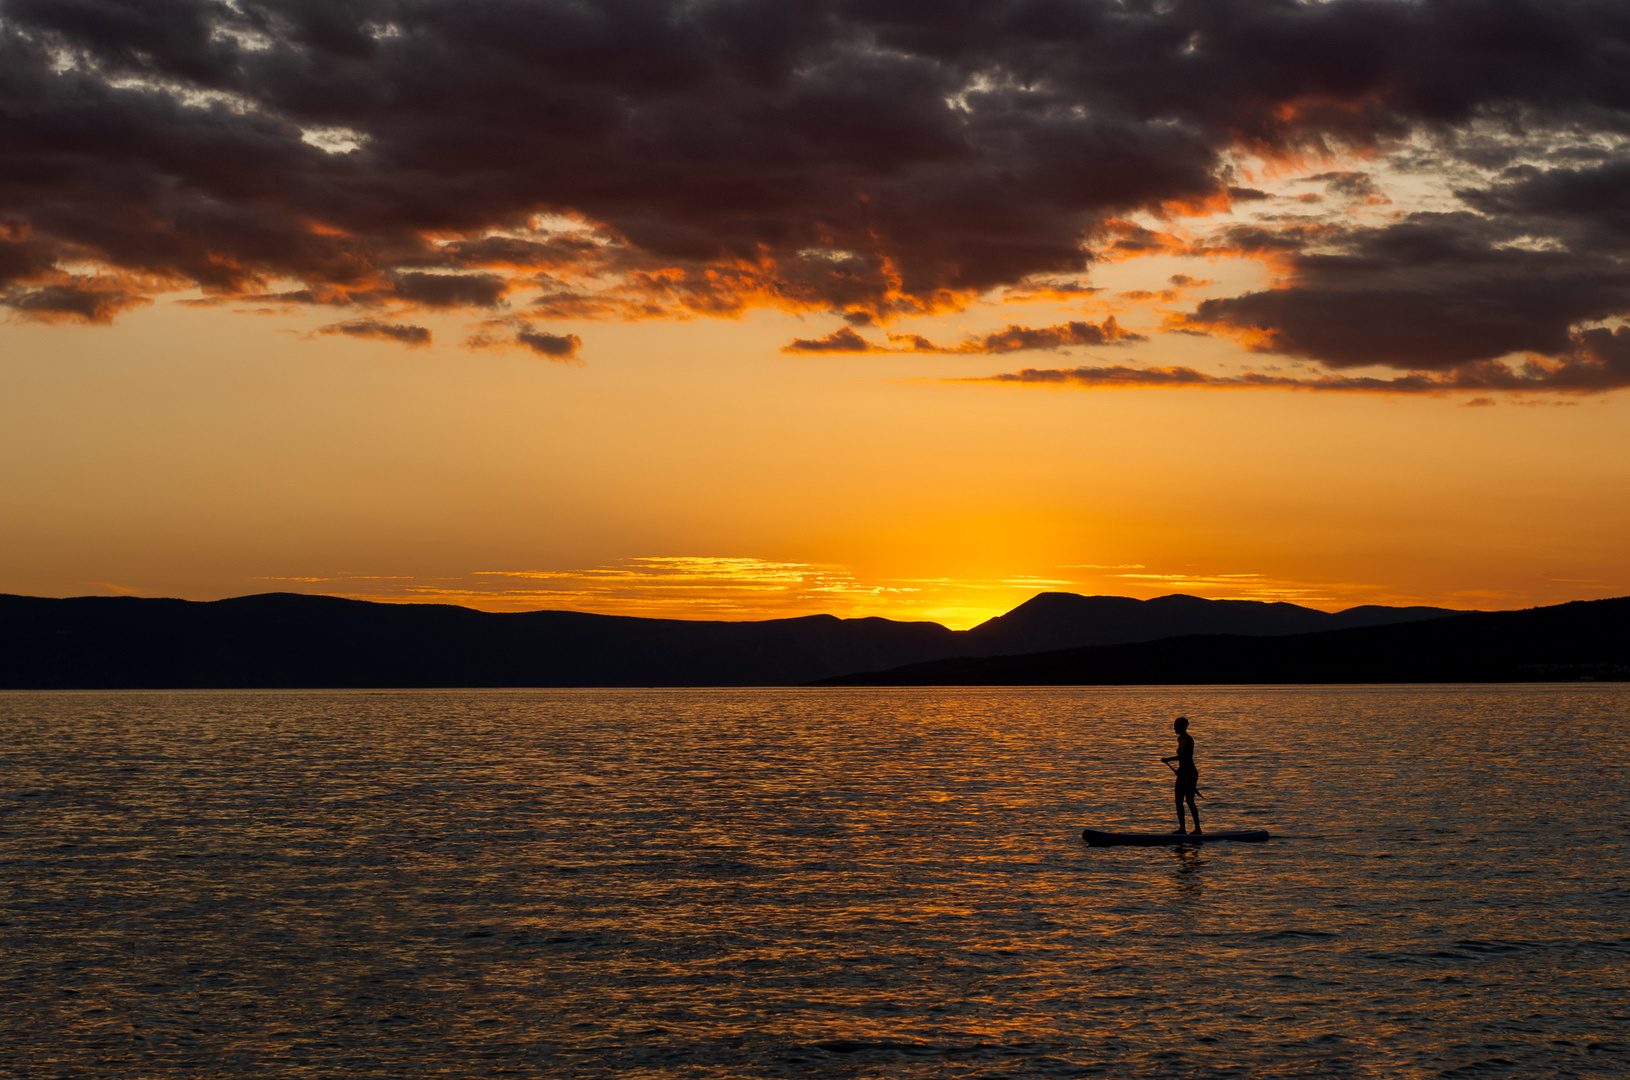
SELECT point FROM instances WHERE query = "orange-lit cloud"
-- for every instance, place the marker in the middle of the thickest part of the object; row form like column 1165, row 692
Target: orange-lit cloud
column 1179, row 284
column 672, row 160
column 1013, row 338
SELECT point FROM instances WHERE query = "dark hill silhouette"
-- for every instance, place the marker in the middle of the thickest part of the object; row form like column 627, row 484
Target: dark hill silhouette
column 1581, row 640
column 293, row 640
column 1066, row 621
column 290, row 640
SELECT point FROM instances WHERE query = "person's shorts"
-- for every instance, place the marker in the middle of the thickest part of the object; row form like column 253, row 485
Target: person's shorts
column 1188, row 783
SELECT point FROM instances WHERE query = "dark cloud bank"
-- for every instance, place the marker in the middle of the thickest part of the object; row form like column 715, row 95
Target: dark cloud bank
column 873, row 157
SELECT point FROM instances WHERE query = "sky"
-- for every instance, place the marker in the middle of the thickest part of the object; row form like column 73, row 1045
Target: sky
column 759, row 308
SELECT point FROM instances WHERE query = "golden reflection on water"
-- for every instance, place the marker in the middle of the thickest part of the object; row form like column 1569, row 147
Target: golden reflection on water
column 809, row 883
column 1188, row 881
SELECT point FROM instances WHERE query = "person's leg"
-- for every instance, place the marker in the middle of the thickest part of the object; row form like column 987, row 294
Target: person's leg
column 1195, row 810
column 1182, row 826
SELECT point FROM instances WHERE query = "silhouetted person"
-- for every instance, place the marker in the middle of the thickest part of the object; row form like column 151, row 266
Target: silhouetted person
column 1188, row 777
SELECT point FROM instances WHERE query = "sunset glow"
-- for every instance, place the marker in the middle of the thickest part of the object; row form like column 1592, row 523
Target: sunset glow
column 831, row 330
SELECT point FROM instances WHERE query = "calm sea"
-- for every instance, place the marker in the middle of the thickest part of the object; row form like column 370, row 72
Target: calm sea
column 812, row 883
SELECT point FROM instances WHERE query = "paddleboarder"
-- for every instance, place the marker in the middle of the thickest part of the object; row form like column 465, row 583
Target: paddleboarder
column 1188, row 777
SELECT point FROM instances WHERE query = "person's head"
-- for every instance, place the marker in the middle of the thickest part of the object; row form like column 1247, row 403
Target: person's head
column 1180, row 725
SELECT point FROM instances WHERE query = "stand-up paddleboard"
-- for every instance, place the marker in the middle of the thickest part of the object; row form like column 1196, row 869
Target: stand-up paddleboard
column 1094, row 838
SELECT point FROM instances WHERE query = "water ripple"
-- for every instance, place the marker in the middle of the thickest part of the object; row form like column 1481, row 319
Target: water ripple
column 811, row 883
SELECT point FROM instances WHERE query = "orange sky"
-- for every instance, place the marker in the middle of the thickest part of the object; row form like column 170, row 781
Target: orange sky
column 693, row 469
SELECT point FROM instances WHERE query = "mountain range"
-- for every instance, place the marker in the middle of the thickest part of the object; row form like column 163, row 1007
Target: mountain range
column 297, row 640
column 1584, row 640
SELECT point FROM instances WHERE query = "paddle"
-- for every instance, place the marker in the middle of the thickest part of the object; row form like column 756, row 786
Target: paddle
column 1173, row 768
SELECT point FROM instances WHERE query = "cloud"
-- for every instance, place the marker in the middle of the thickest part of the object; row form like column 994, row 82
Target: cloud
column 84, row 300
column 884, row 158
column 554, row 346
column 20, row 260
column 1598, row 360
column 1349, row 185
column 1456, row 294
column 449, row 290
column 842, row 340
column 1014, row 338
column 555, row 252
column 374, row 328
column 1017, row 338
column 1179, row 283
column 1112, row 375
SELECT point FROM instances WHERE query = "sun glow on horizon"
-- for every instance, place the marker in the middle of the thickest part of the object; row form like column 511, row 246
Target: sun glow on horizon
column 747, row 589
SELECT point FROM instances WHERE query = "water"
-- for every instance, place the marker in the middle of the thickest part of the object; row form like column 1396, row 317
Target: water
column 812, row 883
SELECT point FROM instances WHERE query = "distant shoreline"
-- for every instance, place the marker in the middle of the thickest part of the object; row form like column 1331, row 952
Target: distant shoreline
column 296, row 641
